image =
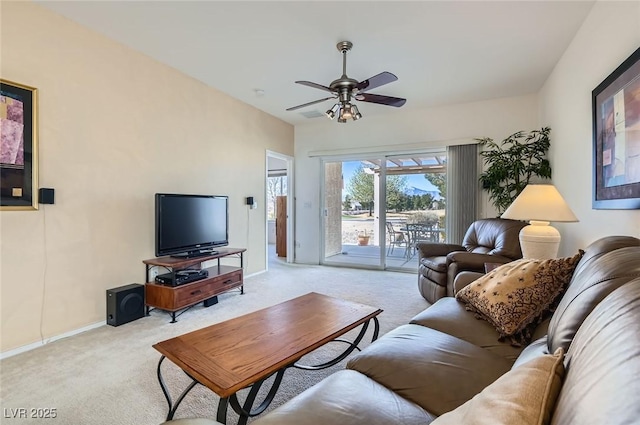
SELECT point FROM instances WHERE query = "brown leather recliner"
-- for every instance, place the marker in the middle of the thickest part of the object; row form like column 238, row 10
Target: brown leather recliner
column 491, row 240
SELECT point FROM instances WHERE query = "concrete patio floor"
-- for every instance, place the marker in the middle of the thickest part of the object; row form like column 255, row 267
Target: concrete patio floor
column 369, row 255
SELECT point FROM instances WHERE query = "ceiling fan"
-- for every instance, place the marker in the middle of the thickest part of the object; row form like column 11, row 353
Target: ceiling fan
column 345, row 89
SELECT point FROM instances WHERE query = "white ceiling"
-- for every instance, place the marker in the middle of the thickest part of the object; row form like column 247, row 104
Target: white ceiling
column 443, row 52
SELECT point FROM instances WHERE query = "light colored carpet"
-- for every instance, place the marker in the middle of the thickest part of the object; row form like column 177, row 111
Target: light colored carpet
column 108, row 375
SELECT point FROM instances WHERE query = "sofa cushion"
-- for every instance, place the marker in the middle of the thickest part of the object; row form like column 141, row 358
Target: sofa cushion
column 450, row 316
column 602, row 380
column 536, row 349
column 437, row 371
column 347, row 398
column 591, row 283
column 525, row 395
column 516, row 294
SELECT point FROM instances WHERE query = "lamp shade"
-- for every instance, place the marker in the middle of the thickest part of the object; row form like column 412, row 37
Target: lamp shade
column 540, row 202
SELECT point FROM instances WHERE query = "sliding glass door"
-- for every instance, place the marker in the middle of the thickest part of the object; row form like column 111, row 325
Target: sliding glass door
column 415, row 207
column 350, row 220
column 372, row 206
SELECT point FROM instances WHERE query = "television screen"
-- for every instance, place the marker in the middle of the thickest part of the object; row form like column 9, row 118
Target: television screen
column 191, row 225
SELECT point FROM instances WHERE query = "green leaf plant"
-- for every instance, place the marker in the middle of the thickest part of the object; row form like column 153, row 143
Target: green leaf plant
column 512, row 164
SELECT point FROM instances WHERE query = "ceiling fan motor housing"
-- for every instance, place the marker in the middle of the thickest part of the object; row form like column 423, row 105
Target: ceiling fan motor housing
column 344, row 88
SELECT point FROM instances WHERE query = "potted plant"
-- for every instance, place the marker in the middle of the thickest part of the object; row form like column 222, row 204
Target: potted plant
column 363, row 238
column 513, row 163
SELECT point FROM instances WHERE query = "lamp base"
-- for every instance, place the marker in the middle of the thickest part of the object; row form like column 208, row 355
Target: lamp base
column 539, row 241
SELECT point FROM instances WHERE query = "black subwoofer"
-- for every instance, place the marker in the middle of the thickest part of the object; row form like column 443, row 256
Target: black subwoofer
column 125, row 304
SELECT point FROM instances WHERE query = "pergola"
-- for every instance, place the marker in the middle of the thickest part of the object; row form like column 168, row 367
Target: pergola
column 410, row 164
column 414, row 164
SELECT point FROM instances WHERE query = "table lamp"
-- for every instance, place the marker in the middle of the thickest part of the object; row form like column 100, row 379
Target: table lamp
column 539, row 204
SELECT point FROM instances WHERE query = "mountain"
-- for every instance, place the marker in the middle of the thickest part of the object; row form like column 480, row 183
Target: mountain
column 416, row 191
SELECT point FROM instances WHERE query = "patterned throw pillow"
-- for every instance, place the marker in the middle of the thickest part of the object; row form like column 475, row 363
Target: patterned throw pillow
column 517, row 294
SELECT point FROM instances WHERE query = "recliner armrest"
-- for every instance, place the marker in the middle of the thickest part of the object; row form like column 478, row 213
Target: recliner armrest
column 473, row 261
column 435, row 249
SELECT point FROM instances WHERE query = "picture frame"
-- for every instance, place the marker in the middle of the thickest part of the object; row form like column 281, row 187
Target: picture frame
column 18, row 146
column 616, row 138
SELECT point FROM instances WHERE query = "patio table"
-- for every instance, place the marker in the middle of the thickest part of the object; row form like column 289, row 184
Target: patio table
column 417, row 232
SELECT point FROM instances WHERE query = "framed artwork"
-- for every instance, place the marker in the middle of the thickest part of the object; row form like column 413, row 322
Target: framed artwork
column 616, row 138
column 18, row 146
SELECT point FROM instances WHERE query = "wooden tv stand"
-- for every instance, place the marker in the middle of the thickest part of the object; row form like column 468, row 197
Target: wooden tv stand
column 172, row 299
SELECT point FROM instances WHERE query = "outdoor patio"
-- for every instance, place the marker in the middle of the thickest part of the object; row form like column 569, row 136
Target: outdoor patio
column 369, row 255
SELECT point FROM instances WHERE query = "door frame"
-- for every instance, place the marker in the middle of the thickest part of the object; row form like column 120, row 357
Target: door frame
column 290, row 204
column 323, row 211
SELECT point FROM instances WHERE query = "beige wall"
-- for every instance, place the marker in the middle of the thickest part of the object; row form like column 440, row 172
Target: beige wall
column 608, row 36
column 115, row 128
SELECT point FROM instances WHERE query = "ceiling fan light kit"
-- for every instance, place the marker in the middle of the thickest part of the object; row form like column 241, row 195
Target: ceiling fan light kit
column 331, row 113
column 346, row 89
column 344, row 112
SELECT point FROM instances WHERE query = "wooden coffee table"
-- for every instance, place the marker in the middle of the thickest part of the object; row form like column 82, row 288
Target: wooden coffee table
column 245, row 351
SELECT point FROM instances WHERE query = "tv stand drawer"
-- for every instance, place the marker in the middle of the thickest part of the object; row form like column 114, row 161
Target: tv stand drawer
column 173, row 298
column 200, row 290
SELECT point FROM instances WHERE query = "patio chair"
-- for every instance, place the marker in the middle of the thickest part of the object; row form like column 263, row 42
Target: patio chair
column 396, row 238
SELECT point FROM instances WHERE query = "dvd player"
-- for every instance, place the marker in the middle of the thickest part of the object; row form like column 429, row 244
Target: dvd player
column 181, row 277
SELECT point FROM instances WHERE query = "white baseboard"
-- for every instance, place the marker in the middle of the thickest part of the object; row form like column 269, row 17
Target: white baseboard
column 46, row 341
column 255, row 274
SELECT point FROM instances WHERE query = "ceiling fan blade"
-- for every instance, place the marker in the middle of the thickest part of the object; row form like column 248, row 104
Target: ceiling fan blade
column 315, row 85
column 383, row 100
column 376, row 81
column 293, row 108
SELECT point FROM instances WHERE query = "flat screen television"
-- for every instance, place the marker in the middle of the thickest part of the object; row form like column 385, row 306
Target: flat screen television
column 190, row 225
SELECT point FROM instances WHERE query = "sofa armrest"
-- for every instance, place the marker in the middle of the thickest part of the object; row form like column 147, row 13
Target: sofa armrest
column 434, row 249
column 458, row 262
column 463, row 279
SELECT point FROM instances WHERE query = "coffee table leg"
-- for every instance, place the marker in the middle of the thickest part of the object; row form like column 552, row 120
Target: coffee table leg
column 221, row 416
column 167, row 396
column 173, row 407
column 376, row 328
column 246, row 410
column 352, row 346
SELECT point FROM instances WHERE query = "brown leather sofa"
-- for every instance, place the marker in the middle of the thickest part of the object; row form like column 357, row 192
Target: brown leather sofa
column 445, row 356
column 491, row 240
